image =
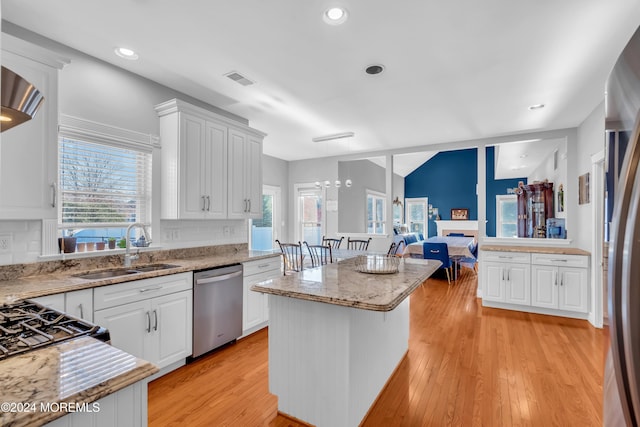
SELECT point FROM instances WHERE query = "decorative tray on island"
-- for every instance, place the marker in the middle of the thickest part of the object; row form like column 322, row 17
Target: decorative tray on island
column 377, row 264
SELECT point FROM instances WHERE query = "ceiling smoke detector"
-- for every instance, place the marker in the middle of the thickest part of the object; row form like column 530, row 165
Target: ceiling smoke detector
column 374, row 69
column 239, row 78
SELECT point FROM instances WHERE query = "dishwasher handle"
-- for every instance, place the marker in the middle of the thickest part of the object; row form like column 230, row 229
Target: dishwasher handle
column 213, row 279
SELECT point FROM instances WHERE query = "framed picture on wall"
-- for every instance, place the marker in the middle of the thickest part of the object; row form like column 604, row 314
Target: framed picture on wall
column 459, row 214
column 583, row 189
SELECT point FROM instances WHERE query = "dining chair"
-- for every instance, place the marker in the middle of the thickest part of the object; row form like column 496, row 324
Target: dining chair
column 455, row 234
column 358, row 245
column 394, row 249
column 440, row 252
column 319, row 254
column 292, row 256
column 334, row 243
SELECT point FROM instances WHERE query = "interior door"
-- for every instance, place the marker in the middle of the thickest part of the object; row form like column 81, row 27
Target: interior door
column 310, row 218
column 417, row 215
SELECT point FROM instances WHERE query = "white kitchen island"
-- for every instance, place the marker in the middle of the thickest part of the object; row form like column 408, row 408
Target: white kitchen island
column 336, row 336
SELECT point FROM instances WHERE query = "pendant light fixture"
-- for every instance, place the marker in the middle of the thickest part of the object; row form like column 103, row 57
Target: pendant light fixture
column 20, row 100
column 332, row 137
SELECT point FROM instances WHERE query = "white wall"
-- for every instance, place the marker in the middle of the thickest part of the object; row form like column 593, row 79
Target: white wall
column 275, row 172
column 591, row 140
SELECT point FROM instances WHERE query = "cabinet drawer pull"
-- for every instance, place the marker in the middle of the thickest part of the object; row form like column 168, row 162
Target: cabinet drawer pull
column 148, row 321
column 208, row 203
column 157, row 288
column 204, row 203
column 155, row 320
column 560, row 260
column 263, row 265
column 505, row 257
column 54, row 194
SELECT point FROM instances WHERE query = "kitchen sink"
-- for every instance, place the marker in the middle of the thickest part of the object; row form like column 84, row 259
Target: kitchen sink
column 117, row 272
column 105, row 274
column 154, row 267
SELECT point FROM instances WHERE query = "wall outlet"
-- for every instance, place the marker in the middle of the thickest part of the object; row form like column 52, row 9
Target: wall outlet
column 5, row 243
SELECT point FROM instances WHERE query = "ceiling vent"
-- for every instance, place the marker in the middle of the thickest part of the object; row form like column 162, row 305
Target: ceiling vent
column 239, row 78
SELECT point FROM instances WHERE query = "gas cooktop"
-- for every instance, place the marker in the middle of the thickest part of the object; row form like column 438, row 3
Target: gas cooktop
column 26, row 326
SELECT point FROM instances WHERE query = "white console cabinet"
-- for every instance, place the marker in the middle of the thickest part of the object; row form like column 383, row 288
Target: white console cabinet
column 508, row 277
column 560, row 282
column 547, row 283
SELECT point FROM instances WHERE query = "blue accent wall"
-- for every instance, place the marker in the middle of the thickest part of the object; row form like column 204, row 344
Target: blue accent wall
column 449, row 180
column 494, row 188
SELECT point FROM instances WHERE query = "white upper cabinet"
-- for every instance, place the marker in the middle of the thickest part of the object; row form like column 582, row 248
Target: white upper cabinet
column 245, row 176
column 29, row 152
column 211, row 165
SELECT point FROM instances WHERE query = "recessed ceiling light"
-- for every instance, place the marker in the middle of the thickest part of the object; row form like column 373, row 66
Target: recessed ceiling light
column 374, row 69
column 335, row 15
column 523, row 156
column 125, row 53
column 536, row 106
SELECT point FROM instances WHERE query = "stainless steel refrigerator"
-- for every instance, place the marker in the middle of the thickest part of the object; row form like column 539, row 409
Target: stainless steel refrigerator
column 622, row 372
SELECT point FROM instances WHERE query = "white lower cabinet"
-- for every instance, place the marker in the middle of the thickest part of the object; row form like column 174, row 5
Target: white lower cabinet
column 76, row 303
column 562, row 288
column 149, row 318
column 507, row 282
column 546, row 283
column 126, row 407
column 255, row 309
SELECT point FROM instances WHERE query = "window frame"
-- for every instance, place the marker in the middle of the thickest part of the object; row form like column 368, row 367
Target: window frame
column 86, row 131
column 501, row 198
column 372, row 224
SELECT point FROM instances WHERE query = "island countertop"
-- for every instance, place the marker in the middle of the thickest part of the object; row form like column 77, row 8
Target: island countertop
column 340, row 284
column 77, row 371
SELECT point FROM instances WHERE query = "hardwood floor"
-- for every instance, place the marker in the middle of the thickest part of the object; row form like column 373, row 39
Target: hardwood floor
column 466, row 365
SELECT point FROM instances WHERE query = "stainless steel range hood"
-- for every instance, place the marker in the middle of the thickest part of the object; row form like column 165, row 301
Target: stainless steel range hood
column 20, row 100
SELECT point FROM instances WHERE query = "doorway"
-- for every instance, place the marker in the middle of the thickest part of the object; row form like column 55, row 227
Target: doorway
column 264, row 232
column 310, row 213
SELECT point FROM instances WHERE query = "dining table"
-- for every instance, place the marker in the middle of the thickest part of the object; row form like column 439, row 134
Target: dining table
column 459, row 247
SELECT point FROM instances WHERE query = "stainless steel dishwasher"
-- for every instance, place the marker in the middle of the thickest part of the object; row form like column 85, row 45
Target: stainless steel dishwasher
column 217, row 307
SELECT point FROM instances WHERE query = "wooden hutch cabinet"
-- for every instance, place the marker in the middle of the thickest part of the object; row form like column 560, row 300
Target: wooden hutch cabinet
column 535, row 206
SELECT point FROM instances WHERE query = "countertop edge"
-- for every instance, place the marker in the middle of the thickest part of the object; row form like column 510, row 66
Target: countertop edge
column 391, row 305
column 535, row 249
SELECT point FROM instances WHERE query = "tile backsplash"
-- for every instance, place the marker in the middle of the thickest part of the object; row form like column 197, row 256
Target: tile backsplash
column 21, row 241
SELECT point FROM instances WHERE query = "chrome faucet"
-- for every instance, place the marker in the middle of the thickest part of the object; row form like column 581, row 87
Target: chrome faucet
column 127, row 252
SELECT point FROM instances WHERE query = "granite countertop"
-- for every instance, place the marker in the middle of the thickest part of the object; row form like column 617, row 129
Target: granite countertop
column 81, row 370
column 64, row 280
column 535, row 249
column 340, row 284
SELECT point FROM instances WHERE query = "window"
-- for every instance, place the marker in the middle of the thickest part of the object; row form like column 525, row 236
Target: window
column 105, row 178
column 506, row 216
column 376, row 203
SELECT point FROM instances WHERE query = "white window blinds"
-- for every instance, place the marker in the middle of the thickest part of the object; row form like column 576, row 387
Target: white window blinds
column 105, row 175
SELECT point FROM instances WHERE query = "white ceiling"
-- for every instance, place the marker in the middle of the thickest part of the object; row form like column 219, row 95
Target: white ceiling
column 455, row 70
column 519, row 159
